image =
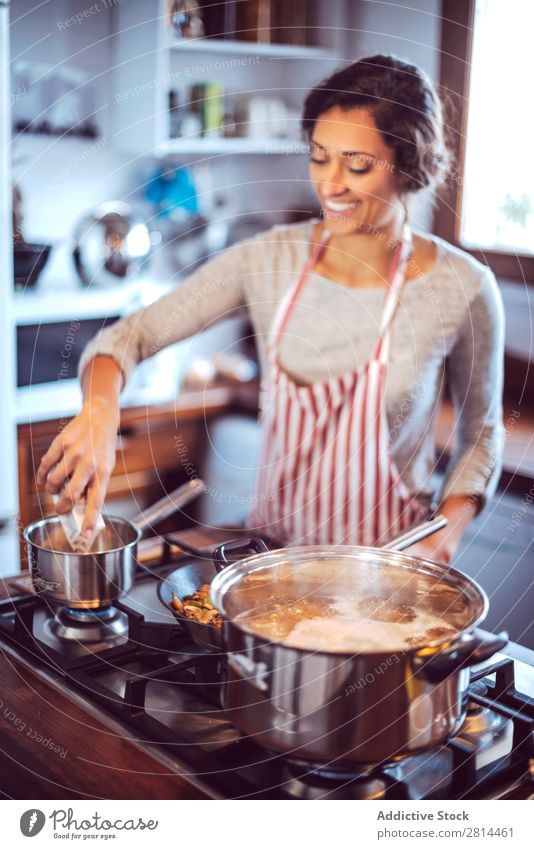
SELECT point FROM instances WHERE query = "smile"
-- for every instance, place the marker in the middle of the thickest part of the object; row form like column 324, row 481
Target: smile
column 337, row 206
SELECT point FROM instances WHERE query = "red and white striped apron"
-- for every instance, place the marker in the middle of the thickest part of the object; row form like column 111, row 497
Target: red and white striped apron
column 326, row 472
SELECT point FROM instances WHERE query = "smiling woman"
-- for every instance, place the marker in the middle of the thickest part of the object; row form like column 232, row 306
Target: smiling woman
column 359, row 323
column 376, row 135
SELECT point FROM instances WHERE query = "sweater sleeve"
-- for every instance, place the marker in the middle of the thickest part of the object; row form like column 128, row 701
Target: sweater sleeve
column 212, row 293
column 475, row 368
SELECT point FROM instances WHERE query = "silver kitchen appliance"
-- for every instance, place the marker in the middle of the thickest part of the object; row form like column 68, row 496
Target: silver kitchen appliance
column 111, row 244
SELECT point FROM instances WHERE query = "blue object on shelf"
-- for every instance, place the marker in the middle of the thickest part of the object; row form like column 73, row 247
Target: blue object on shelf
column 172, row 188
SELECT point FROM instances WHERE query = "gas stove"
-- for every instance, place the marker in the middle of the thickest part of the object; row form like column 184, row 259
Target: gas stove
column 134, row 661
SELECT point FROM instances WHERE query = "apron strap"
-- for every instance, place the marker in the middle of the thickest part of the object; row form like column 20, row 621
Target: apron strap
column 397, row 276
column 395, row 282
column 291, row 297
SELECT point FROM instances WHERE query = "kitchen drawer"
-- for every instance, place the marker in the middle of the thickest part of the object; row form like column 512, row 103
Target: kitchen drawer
column 138, row 449
column 156, row 449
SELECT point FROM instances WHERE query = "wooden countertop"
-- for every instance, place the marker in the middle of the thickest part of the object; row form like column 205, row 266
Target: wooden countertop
column 53, row 747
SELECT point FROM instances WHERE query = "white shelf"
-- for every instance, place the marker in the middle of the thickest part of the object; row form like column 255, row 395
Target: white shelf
column 248, row 48
column 65, row 301
column 216, row 146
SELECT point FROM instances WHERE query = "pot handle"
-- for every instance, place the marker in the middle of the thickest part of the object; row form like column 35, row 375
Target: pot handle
column 170, row 503
column 241, row 547
column 466, row 651
column 430, row 525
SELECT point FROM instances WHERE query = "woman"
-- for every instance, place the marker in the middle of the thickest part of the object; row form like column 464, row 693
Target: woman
column 359, row 324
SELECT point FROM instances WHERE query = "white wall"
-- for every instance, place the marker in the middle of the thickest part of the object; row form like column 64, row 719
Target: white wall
column 412, row 33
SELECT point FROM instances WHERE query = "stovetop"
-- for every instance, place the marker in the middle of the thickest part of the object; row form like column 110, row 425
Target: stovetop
column 160, row 684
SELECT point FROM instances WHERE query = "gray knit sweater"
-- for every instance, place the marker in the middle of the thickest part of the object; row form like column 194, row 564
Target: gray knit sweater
column 449, row 330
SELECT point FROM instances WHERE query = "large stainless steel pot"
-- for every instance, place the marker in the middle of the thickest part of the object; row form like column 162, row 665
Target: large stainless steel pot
column 338, row 707
column 97, row 578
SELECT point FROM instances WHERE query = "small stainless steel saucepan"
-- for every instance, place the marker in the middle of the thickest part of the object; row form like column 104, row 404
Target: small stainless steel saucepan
column 97, row 578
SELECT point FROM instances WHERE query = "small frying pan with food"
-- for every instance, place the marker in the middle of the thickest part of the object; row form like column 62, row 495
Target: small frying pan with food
column 186, row 593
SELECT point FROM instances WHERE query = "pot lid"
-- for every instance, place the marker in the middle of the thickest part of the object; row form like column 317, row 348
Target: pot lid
column 347, row 599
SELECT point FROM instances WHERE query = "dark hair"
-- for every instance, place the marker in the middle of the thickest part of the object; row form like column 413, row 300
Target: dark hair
column 405, row 108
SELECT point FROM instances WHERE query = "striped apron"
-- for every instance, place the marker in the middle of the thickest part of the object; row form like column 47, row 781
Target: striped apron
column 326, row 473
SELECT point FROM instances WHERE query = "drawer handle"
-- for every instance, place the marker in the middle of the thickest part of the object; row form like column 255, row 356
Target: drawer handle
column 125, row 432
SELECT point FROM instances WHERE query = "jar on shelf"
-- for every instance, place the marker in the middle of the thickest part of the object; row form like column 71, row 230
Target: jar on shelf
column 186, row 19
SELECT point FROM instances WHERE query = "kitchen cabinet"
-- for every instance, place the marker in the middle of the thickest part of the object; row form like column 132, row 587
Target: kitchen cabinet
column 148, row 63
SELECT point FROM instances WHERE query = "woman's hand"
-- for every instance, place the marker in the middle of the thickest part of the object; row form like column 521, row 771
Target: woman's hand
column 442, row 546
column 81, row 458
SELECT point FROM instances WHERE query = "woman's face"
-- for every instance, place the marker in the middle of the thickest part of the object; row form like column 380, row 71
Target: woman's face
column 353, row 172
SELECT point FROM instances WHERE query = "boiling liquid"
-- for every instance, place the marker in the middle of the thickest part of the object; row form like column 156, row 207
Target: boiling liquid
column 349, row 625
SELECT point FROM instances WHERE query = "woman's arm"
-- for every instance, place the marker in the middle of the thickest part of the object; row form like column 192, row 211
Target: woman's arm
column 82, row 456
column 475, row 378
column 213, row 292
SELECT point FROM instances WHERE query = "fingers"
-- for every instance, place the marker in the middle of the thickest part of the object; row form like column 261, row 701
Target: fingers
column 52, row 456
column 74, row 488
column 96, row 493
column 61, row 472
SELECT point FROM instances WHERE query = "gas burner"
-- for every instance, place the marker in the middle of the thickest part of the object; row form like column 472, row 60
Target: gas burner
column 326, row 782
column 73, row 633
column 84, row 625
column 487, row 731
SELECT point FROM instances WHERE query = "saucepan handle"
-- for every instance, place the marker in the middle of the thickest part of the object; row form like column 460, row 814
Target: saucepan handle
column 170, row 503
column 238, row 549
column 468, row 650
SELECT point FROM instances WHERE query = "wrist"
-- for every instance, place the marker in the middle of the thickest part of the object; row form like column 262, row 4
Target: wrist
column 103, row 404
column 459, row 511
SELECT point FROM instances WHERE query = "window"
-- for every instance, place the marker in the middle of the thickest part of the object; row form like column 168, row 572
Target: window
column 487, row 64
column 497, row 206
